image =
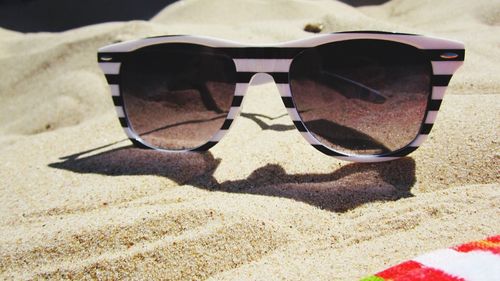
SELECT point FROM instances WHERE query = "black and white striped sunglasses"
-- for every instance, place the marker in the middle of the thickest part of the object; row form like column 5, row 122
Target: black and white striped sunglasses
column 360, row 96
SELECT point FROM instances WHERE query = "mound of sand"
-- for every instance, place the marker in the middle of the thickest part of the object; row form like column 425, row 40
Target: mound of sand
column 78, row 201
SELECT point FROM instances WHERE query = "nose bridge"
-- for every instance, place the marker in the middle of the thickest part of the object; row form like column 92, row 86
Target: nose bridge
column 263, row 65
column 248, row 68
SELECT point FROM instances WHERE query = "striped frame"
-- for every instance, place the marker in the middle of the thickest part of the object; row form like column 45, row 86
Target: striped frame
column 445, row 55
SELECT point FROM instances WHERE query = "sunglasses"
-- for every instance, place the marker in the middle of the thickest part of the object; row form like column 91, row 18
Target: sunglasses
column 359, row 96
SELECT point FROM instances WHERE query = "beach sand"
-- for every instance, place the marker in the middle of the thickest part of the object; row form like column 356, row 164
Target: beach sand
column 77, row 201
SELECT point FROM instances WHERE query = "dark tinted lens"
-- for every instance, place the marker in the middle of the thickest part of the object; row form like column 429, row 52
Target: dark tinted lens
column 362, row 96
column 177, row 96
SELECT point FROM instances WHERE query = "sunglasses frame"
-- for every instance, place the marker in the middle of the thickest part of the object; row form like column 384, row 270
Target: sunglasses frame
column 446, row 56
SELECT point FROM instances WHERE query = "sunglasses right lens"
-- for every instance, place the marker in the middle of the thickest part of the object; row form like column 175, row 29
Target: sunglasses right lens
column 177, row 96
column 362, row 97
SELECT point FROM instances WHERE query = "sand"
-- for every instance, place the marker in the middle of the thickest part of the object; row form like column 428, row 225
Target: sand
column 78, row 202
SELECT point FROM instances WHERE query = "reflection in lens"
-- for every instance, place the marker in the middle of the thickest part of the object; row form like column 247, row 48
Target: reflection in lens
column 362, row 97
column 177, row 96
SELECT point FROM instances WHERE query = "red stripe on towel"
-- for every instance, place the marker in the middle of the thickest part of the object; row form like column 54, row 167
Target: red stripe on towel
column 495, row 239
column 491, row 244
column 399, row 269
column 414, row 271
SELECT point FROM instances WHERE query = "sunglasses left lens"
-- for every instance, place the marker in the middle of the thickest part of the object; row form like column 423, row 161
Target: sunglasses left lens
column 177, row 96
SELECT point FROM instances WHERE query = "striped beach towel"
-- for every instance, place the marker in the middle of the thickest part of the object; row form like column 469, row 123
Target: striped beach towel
column 474, row 261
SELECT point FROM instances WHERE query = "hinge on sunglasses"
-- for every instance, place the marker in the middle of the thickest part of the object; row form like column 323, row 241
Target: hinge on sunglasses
column 449, row 56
